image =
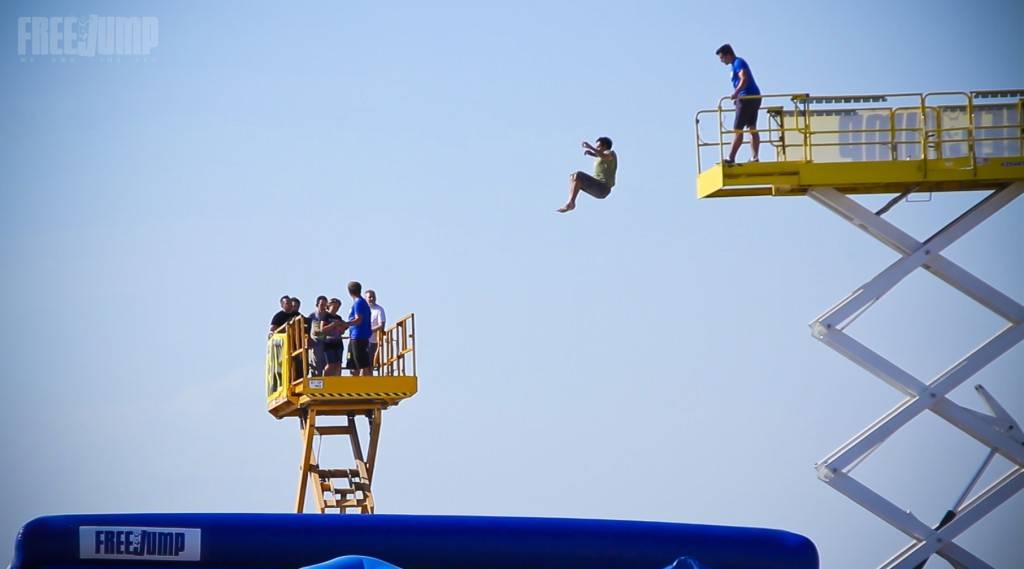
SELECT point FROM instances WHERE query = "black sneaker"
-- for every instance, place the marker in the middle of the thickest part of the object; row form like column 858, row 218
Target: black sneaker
column 727, row 162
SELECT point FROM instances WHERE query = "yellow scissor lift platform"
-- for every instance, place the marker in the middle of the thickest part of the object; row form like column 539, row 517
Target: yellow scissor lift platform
column 292, row 391
column 828, row 147
column 867, row 144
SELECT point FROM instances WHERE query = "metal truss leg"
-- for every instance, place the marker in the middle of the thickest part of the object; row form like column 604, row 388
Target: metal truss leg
column 307, row 421
column 997, row 431
column 354, row 493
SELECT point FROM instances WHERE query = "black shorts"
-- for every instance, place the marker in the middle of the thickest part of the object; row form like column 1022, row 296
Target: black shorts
column 746, row 113
column 334, row 355
column 359, row 354
column 592, row 185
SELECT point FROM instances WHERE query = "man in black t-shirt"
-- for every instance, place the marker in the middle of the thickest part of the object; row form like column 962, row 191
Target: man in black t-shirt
column 295, row 311
column 283, row 316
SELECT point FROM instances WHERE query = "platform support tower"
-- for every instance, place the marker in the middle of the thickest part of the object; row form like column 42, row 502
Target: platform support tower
column 330, row 410
column 828, row 148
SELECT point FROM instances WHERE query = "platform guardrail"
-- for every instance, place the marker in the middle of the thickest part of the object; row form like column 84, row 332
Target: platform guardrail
column 799, row 127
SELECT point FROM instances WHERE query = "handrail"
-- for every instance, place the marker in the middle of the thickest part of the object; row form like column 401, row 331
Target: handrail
column 396, row 352
column 397, row 342
column 297, row 341
column 825, row 128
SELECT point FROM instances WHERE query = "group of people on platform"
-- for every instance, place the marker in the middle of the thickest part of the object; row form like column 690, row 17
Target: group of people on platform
column 365, row 323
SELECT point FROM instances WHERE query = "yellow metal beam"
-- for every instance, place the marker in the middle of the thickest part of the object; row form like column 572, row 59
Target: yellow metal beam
column 358, row 387
column 795, row 178
column 307, row 423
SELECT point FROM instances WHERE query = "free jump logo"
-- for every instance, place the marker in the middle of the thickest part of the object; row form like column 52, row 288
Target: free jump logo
column 139, row 543
column 87, row 36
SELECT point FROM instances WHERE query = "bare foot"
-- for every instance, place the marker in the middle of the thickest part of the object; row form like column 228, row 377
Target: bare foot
column 567, row 207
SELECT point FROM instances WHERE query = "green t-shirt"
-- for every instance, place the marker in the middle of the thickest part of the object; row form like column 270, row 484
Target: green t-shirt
column 604, row 170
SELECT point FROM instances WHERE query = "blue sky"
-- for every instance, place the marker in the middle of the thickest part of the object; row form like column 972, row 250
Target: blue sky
column 645, row 357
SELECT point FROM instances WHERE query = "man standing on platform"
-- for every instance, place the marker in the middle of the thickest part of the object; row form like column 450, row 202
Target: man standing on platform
column 359, row 332
column 746, row 109
column 317, row 320
column 334, row 348
column 283, row 316
column 378, row 321
column 293, row 308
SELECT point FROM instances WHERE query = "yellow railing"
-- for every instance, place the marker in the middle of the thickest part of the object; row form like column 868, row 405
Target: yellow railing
column 799, row 127
column 396, row 348
column 289, row 345
column 287, row 357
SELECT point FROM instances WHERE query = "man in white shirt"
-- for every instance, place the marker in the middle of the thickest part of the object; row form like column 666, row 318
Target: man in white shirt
column 377, row 322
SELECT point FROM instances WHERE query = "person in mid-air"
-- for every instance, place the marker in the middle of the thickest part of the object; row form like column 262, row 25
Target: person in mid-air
column 600, row 184
column 746, row 108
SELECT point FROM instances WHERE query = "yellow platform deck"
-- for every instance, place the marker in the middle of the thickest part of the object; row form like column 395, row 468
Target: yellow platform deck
column 293, row 387
column 343, row 393
column 867, row 144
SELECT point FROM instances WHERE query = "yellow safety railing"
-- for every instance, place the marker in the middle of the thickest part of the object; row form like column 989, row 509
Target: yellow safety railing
column 396, row 348
column 289, row 345
column 799, row 127
column 287, row 356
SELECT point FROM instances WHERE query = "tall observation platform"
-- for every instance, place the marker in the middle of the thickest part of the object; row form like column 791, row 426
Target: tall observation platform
column 830, row 147
column 868, row 144
column 292, row 391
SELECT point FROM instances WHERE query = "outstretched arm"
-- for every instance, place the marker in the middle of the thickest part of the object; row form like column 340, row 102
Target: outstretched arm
column 591, row 151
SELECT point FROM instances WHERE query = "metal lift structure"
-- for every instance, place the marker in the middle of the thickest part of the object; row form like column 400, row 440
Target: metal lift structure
column 830, row 147
column 293, row 392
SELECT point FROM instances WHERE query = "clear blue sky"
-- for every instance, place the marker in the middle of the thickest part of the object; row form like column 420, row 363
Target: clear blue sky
column 645, row 357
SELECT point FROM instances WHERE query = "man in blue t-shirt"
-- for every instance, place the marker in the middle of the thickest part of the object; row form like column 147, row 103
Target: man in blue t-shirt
column 747, row 96
column 360, row 329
